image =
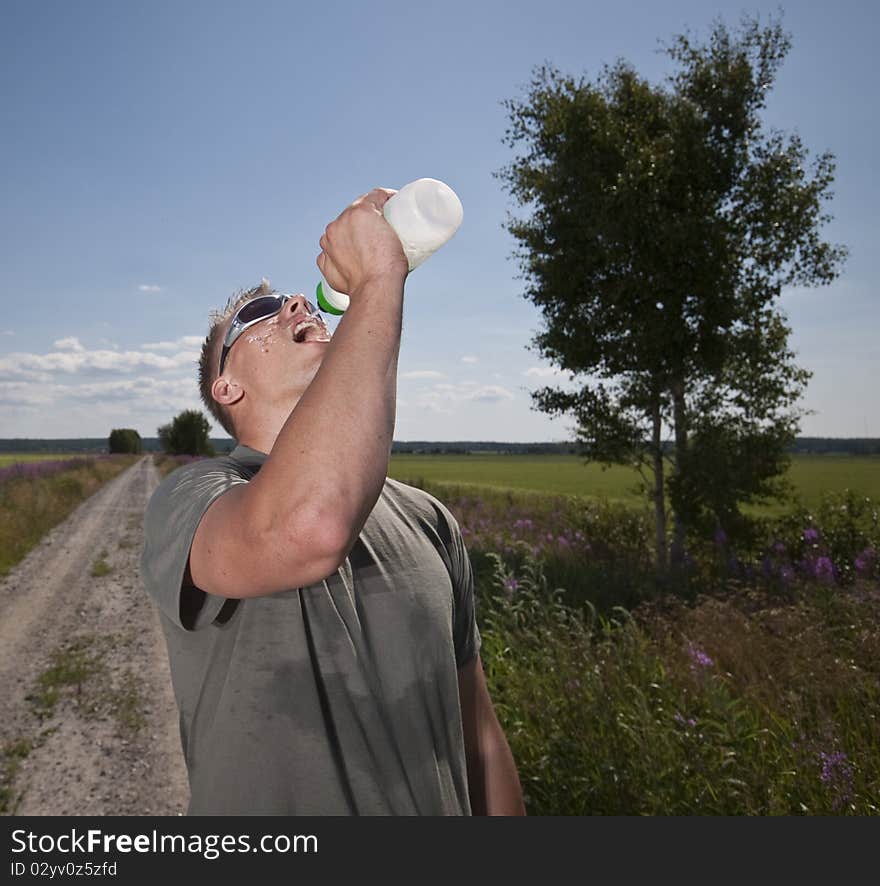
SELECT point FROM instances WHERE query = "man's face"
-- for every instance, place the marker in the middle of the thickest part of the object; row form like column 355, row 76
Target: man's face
column 277, row 358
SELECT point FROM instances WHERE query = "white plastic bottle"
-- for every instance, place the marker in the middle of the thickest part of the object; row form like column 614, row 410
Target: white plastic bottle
column 424, row 214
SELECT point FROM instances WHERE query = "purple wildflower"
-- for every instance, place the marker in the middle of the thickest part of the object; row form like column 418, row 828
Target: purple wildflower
column 720, row 537
column 511, row 584
column 811, row 535
column 864, row 562
column 32, row 470
column 698, row 657
column 824, row 569
column 778, row 548
column 837, row 775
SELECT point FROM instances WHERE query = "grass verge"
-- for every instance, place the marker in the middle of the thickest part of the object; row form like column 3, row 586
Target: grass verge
column 31, row 506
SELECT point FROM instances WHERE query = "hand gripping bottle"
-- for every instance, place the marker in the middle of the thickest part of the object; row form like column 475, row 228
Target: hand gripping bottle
column 424, row 214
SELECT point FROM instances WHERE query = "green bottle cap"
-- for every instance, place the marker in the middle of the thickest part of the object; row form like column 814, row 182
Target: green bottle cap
column 323, row 304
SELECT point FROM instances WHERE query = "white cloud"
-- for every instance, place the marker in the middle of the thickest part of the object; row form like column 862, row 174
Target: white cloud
column 489, row 394
column 445, row 398
column 146, row 393
column 423, row 373
column 543, row 371
column 469, row 360
column 23, row 392
column 185, row 341
column 36, row 366
column 149, row 287
column 68, row 344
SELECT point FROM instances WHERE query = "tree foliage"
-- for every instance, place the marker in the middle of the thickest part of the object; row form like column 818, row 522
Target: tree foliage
column 187, row 434
column 124, row 440
column 662, row 224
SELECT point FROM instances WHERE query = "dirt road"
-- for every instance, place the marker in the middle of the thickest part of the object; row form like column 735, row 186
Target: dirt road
column 88, row 722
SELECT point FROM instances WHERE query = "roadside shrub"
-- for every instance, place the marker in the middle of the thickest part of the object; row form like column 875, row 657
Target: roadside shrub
column 125, row 440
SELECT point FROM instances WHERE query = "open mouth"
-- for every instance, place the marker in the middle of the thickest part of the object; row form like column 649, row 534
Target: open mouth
column 310, row 329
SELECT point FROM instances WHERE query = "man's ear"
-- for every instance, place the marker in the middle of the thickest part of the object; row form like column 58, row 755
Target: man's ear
column 226, row 392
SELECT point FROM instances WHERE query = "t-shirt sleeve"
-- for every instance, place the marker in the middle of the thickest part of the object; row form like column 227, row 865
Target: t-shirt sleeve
column 465, row 632
column 172, row 517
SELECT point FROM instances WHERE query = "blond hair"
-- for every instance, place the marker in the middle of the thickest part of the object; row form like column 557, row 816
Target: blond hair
column 210, row 356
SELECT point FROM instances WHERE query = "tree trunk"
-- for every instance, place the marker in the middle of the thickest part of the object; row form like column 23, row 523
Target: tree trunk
column 659, row 494
column 679, row 418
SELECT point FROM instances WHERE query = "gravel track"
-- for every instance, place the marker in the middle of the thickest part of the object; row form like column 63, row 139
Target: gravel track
column 109, row 745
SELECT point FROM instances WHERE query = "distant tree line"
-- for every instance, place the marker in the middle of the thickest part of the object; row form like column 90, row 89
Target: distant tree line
column 801, row 446
column 831, row 446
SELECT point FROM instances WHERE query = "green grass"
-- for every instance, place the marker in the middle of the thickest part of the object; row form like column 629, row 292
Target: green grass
column 12, row 754
column 813, row 475
column 78, row 671
column 11, row 458
column 30, row 507
column 569, row 475
column 71, row 667
column 101, row 567
column 740, row 705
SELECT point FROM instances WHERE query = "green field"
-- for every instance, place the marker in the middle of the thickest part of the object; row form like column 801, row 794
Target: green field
column 11, row 458
column 568, row 475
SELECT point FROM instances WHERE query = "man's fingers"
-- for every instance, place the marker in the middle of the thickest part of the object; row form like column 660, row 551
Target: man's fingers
column 377, row 198
column 330, row 273
column 380, row 196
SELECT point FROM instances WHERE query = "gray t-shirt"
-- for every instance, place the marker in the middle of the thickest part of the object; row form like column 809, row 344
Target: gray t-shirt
column 336, row 699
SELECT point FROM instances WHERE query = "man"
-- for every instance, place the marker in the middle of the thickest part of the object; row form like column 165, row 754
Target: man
column 319, row 616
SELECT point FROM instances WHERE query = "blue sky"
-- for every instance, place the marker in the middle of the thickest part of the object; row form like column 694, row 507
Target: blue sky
column 158, row 157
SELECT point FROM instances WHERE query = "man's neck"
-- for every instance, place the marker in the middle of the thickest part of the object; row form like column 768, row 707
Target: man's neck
column 262, row 432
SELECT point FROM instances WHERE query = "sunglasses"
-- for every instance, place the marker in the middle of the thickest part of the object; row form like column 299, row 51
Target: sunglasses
column 257, row 309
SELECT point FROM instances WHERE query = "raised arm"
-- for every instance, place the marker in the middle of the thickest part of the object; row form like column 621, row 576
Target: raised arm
column 294, row 523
